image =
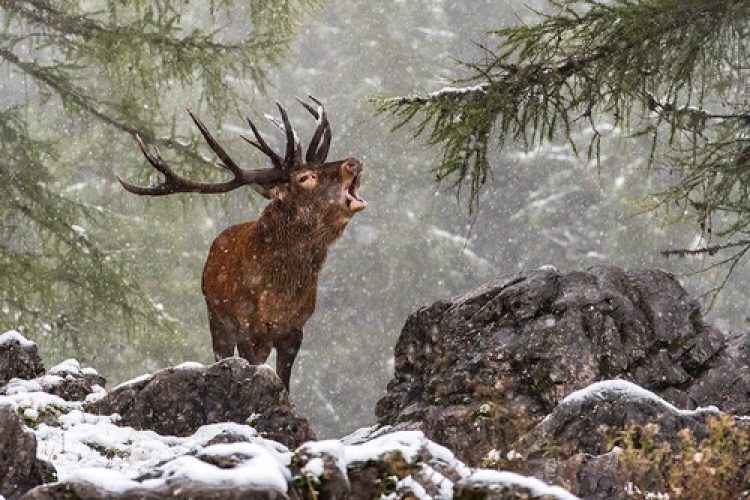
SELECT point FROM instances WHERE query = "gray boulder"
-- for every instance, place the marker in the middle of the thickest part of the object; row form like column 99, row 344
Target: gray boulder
column 177, row 401
column 19, row 358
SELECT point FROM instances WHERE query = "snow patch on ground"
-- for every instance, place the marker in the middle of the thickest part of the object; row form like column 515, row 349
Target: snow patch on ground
column 95, row 441
column 410, row 444
column 20, row 386
column 39, row 402
column 90, row 448
column 105, row 479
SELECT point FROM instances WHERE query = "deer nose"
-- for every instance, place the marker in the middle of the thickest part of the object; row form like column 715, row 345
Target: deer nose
column 353, row 166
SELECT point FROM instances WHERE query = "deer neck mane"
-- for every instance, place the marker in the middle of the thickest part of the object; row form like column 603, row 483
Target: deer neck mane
column 306, row 230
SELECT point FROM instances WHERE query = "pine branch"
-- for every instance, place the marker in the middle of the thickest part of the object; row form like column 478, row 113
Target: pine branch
column 709, row 250
column 588, row 60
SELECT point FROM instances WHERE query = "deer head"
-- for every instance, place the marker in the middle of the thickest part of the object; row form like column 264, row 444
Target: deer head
column 306, row 186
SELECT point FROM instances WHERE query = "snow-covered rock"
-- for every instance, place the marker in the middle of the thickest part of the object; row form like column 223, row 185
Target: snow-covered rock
column 177, row 401
column 19, row 357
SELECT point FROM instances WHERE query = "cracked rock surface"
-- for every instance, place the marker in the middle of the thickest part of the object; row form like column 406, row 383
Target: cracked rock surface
column 479, row 371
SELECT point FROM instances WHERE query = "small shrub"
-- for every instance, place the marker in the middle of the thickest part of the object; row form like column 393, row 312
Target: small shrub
column 716, row 467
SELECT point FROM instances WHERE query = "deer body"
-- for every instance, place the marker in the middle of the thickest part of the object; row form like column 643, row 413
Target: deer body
column 260, row 278
column 260, row 284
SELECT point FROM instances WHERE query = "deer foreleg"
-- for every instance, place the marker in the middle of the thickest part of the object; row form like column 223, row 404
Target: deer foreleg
column 286, row 352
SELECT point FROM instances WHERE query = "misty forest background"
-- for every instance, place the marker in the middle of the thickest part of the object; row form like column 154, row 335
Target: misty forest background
column 92, row 272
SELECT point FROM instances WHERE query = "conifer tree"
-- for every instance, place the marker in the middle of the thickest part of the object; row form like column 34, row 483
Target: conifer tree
column 674, row 71
column 99, row 73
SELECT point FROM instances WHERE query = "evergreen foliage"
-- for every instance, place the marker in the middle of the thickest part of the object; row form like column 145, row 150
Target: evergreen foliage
column 675, row 71
column 83, row 78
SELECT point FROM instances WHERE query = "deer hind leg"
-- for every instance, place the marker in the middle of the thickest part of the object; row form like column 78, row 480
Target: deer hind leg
column 286, row 352
column 223, row 336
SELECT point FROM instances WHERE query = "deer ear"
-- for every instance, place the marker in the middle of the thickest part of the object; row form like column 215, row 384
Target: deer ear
column 279, row 192
column 264, row 192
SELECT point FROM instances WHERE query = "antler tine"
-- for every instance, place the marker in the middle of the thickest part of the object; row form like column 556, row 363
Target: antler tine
column 324, row 127
column 307, row 106
column 310, row 156
column 155, row 160
column 159, row 164
column 227, row 162
column 262, row 145
column 293, row 156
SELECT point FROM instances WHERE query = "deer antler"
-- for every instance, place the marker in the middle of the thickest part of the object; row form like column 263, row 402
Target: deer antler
column 317, row 155
column 258, row 179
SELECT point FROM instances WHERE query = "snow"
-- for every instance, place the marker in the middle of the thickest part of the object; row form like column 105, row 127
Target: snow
column 67, row 366
column 14, row 335
column 597, row 390
column 365, row 433
column 95, row 443
column 190, row 365
column 409, row 484
column 314, row 467
column 105, row 479
column 18, row 386
column 38, row 401
column 410, row 445
column 97, row 393
column 259, row 465
column 457, row 91
column 133, row 381
column 484, row 477
column 92, row 449
column 79, row 230
column 332, row 447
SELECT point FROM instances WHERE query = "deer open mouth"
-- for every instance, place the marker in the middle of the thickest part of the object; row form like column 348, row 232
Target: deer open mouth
column 353, row 200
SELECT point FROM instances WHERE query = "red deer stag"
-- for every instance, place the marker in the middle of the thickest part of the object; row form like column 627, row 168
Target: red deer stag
column 260, row 278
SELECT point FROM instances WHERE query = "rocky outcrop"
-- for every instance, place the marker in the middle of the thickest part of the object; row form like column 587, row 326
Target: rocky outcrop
column 580, row 383
column 19, row 358
column 179, row 400
column 20, row 469
column 478, row 372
